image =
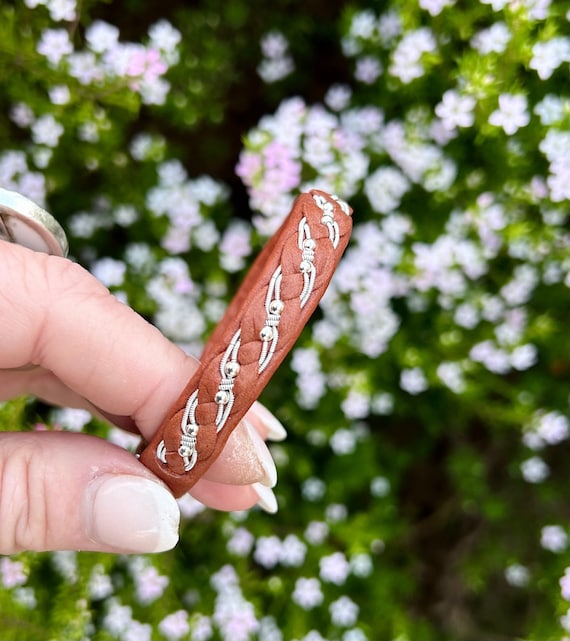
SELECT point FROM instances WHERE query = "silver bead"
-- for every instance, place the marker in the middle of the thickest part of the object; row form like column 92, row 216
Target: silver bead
column 309, row 244
column 266, row 333
column 185, row 451
column 305, row 266
column 222, row 397
column 232, row 369
column 191, row 429
column 276, row 307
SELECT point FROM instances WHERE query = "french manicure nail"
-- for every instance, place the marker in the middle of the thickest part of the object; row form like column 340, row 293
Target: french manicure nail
column 275, row 430
column 132, row 514
column 264, row 455
column 267, row 499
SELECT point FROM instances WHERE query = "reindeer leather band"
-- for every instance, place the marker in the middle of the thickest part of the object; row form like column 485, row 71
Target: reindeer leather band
column 260, row 326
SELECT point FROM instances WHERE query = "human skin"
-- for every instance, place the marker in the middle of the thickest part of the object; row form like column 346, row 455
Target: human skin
column 65, row 339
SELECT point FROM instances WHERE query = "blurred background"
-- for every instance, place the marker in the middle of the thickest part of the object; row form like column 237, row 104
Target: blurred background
column 423, row 489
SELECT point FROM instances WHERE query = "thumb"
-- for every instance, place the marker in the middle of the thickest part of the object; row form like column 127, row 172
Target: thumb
column 105, row 500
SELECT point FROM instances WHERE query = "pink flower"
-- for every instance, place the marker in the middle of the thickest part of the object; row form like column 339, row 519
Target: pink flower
column 146, row 63
column 12, row 573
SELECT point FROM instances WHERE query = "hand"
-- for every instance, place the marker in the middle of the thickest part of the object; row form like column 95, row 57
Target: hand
column 64, row 338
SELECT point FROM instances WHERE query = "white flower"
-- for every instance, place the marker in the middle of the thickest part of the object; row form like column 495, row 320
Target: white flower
column 389, row 27
column 456, row 110
column 316, row 532
column 361, row 565
column 307, row 593
column 60, row 95
column 267, row 551
column 99, row 585
column 537, row 9
column 149, row 584
column 517, row 575
column 164, row 36
column 435, row 7
column 334, row 568
column 47, row 131
column 555, row 144
column 101, row 36
column 338, row 97
column 109, row 271
column 54, row 45
column 466, row 315
column 382, row 403
column 117, row 618
column 175, row 625
column 344, row 612
column 336, row 512
column 137, row 631
column 71, row 418
column 548, row 56
column 379, row 486
column 201, row 628
column 452, row 376
column 534, row 470
column 551, row 109
column 406, row 57
column 524, row 356
column 363, row 24
column 62, row 10
column 274, row 69
column 368, row 70
column 512, row 113
column 385, row 188
column 494, row 39
column 241, row 542
column 356, row 405
column 553, row 538
column 553, row 427
column 154, row 92
column 83, row 66
column 292, row 552
column 413, row 381
column 496, row 360
column 343, row 441
column 22, row 115
column 274, row 44
column 496, row 4
column 356, row 634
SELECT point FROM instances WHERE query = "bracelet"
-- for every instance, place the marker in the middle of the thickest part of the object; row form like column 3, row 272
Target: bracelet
column 260, row 326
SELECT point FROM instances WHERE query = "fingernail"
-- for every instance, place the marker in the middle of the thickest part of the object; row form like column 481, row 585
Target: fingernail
column 244, row 460
column 275, row 431
column 132, row 514
column 267, row 499
column 264, row 455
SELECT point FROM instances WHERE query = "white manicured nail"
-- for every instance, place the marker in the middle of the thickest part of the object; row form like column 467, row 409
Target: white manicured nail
column 275, row 431
column 264, row 456
column 132, row 514
column 267, row 499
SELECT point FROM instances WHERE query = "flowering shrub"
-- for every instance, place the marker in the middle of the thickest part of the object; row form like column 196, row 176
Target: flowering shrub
column 423, row 487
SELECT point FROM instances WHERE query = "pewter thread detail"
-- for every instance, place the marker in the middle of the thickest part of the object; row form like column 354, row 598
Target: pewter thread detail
column 269, row 333
column 229, row 368
column 307, row 245
column 328, row 218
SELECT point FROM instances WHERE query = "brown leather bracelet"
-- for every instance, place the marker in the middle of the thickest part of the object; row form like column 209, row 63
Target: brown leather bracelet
column 260, row 326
